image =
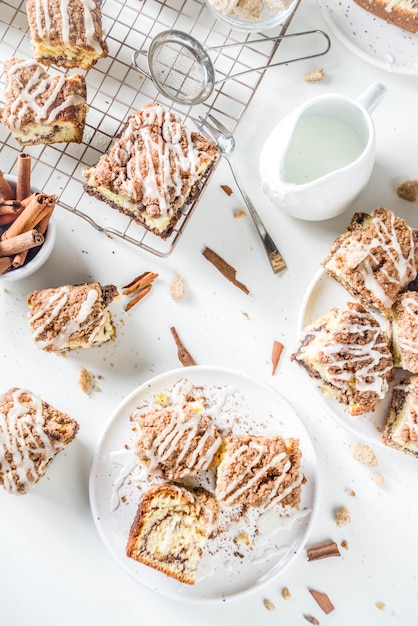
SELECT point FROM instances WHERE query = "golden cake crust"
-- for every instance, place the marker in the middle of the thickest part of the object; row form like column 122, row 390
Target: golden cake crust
column 401, row 426
column 259, row 471
column 170, row 529
column 347, row 354
column 67, row 34
column 177, row 440
column 153, row 170
column 32, row 432
column 71, row 316
column 43, row 109
column 402, row 13
column 375, row 259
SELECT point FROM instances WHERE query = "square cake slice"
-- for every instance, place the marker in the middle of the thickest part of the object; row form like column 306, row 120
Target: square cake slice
column 402, row 13
column 32, row 432
column 153, row 170
column 177, row 440
column 67, row 34
column 259, row 471
column 347, row 354
column 43, row 109
column 403, row 331
column 401, row 427
column 171, row 528
column 375, row 259
column 72, row 316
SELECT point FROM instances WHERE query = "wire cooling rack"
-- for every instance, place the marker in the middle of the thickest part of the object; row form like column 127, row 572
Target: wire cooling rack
column 115, row 89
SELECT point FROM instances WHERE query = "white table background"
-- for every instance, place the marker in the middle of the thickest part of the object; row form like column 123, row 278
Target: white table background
column 54, row 567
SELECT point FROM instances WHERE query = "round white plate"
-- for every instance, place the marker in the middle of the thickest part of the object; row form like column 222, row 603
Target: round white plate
column 227, row 569
column 371, row 38
column 323, row 294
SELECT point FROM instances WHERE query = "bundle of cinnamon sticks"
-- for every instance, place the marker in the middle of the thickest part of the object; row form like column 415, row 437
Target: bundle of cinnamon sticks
column 24, row 216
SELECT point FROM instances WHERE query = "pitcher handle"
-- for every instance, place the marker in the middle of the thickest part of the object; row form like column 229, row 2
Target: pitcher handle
column 371, row 97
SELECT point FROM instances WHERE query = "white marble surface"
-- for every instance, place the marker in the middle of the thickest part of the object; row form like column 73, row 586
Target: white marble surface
column 54, row 566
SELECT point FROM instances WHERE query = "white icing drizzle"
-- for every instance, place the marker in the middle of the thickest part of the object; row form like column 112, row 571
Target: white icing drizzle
column 183, row 426
column 356, row 359
column 32, row 96
column 157, row 165
column 250, row 476
column 128, row 460
column 51, row 311
column 22, row 439
column 46, row 23
column 362, row 256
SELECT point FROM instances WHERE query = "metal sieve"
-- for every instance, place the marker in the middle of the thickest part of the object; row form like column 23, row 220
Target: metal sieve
column 182, row 69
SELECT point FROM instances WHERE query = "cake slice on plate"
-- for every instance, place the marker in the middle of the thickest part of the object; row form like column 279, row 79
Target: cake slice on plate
column 403, row 331
column 402, row 13
column 401, row 427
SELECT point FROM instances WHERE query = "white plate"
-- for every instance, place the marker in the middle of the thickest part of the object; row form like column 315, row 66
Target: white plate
column 323, row 294
column 115, row 490
column 371, row 38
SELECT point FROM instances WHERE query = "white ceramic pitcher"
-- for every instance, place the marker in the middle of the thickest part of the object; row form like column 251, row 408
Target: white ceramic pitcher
column 319, row 157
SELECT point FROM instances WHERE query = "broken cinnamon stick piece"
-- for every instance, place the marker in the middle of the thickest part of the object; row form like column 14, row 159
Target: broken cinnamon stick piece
column 139, row 283
column 227, row 189
column 311, row 619
column 322, row 600
column 275, row 355
column 23, row 176
column 184, row 355
column 32, row 215
column 5, row 263
column 138, row 297
column 19, row 259
column 224, row 268
column 322, row 552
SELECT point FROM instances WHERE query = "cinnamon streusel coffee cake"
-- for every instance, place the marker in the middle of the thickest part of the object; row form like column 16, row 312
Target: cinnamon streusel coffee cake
column 375, row 259
column 72, row 316
column 177, row 440
column 259, row 471
column 403, row 331
column 43, row 109
column 153, row 170
column 402, row 13
column 401, row 427
column 32, row 432
column 67, row 34
column 171, row 528
column 347, row 355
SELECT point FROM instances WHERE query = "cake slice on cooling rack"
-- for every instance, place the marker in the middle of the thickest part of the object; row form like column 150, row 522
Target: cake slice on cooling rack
column 67, row 34
column 40, row 108
column 171, row 528
column 153, row 170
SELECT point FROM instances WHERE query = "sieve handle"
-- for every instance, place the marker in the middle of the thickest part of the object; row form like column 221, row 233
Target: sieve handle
column 321, row 33
column 135, row 62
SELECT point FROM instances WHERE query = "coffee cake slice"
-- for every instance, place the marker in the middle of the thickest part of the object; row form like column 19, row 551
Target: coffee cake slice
column 32, row 432
column 153, row 170
column 66, row 34
column 375, row 259
column 72, row 316
column 41, row 108
column 401, row 427
column 403, row 331
column 347, row 355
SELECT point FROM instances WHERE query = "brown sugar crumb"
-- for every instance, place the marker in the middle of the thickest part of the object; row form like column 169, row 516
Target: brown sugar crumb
column 344, row 544
column 239, row 213
column 408, row 190
column 227, row 189
column 315, row 75
column 177, row 291
column 363, row 453
column 85, row 380
column 269, row 604
column 286, row 593
column 342, row 516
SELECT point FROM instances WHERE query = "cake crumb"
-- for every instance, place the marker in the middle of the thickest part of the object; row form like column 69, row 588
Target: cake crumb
column 239, row 213
column 342, row 516
column 351, row 493
column 315, row 75
column 177, row 291
column 363, row 453
column 242, row 539
column 269, row 604
column 408, row 190
column 380, row 605
column 286, row 593
column 378, row 479
column 85, row 380
column 344, row 544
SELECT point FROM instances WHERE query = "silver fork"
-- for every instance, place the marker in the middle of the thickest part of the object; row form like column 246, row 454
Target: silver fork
column 225, row 142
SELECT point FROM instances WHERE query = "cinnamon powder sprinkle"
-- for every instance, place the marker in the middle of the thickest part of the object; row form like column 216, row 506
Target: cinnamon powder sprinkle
column 224, row 268
column 323, row 551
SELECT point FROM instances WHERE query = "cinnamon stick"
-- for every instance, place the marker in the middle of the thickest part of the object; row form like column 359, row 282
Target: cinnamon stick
column 32, row 215
column 184, row 355
column 10, row 207
column 135, row 299
column 19, row 259
column 23, row 176
column 322, row 600
column 224, row 268
column 24, row 241
column 5, row 263
column 139, row 283
column 6, row 190
column 323, row 551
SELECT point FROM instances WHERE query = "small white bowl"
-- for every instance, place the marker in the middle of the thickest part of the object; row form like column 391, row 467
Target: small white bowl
column 268, row 19
column 36, row 257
